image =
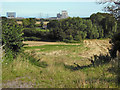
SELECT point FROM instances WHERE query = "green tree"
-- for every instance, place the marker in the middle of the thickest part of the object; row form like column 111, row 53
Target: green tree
column 109, row 26
column 29, row 22
column 12, row 37
column 26, row 23
column 32, row 22
column 106, row 24
column 115, row 41
column 41, row 23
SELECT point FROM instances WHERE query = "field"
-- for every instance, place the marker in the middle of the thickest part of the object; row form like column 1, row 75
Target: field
column 60, row 65
column 38, row 22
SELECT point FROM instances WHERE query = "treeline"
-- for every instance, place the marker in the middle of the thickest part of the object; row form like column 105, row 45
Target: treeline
column 100, row 25
column 31, row 22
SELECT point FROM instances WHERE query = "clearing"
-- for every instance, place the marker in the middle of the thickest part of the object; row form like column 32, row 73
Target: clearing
column 96, row 46
column 60, row 65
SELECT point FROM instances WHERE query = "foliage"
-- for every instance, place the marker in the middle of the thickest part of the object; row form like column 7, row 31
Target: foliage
column 41, row 23
column 113, row 6
column 115, row 41
column 11, row 37
column 29, row 22
column 32, row 39
column 107, row 24
column 35, row 34
column 100, row 25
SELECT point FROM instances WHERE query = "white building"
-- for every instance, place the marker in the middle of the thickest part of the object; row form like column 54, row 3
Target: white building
column 63, row 15
column 11, row 14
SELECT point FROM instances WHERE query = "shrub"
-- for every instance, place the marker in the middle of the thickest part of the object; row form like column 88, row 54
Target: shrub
column 32, row 39
column 12, row 37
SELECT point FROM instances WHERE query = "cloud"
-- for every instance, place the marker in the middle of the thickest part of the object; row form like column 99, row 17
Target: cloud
column 47, row 0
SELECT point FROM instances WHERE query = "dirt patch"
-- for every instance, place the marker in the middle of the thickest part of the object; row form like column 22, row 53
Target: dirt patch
column 96, row 47
column 39, row 43
column 17, row 83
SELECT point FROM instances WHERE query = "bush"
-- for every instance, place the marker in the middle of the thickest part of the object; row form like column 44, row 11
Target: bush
column 12, row 37
column 28, row 32
column 78, row 38
column 32, row 39
column 115, row 41
column 38, row 25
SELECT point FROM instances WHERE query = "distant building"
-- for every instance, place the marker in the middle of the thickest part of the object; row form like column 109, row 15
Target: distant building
column 63, row 15
column 11, row 14
column 59, row 15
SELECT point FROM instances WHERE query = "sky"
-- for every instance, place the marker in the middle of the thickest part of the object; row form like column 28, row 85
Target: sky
column 39, row 9
column 48, row 0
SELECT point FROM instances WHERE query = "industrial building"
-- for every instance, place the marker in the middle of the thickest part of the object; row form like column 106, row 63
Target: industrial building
column 63, row 15
column 11, row 14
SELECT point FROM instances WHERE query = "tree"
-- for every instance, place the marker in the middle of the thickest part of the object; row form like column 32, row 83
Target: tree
column 29, row 22
column 32, row 22
column 12, row 37
column 112, row 6
column 41, row 23
column 110, row 26
column 106, row 24
column 115, row 41
column 26, row 23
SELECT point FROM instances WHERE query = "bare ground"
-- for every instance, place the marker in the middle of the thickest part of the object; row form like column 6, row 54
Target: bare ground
column 96, row 47
column 39, row 43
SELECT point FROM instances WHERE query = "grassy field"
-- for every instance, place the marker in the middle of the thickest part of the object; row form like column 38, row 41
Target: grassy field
column 58, row 66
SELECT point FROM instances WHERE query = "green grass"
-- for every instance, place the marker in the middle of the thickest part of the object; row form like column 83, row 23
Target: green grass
column 56, row 47
column 51, row 66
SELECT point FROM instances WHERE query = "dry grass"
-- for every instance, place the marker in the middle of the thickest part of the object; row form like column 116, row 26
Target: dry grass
column 61, row 71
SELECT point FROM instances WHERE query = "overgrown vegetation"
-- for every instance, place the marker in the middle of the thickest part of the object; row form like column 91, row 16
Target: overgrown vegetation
column 11, row 37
